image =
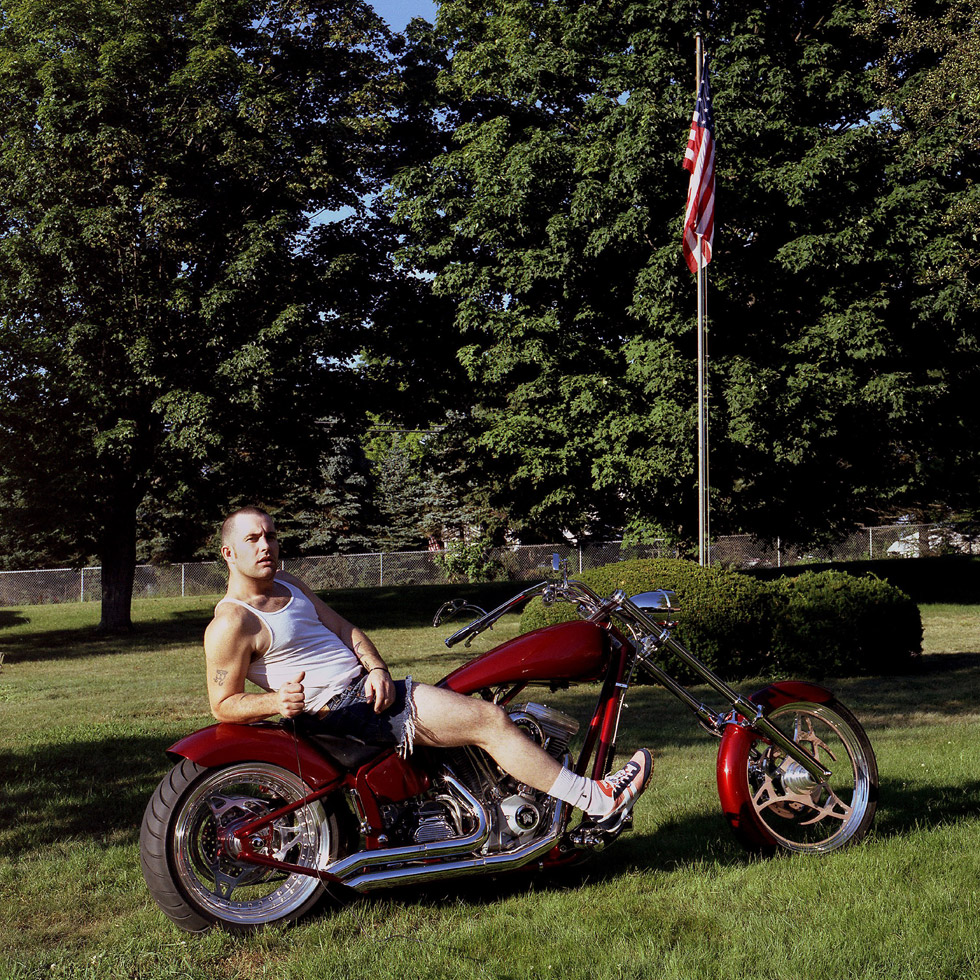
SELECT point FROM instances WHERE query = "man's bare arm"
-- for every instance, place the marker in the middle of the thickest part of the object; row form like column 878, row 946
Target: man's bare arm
column 229, row 643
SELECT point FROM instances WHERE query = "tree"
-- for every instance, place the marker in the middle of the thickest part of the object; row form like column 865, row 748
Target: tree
column 173, row 312
column 396, row 460
column 929, row 81
column 552, row 223
column 336, row 513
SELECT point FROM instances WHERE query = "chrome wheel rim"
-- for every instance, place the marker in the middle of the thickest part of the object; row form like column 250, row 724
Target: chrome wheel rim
column 801, row 814
column 205, row 850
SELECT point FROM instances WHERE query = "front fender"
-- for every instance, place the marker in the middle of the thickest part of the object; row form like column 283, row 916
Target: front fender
column 733, row 786
column 221, row 744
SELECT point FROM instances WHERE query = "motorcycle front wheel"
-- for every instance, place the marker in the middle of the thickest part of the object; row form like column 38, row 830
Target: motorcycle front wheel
column 777, row 804
column 187, row 852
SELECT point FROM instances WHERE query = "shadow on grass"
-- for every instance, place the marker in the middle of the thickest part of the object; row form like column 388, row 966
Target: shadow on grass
column 696, row 843
column 97, row 790
column 86, row 790
column 11, row 617
column 702, row 840
column 943, row 684
column 946, row 684
column 181, row 627
column 903, row 808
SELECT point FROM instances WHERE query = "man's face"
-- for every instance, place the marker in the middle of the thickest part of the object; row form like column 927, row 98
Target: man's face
column 254, row 547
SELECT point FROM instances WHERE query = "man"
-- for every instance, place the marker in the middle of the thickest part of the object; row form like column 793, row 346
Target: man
column 271, row 629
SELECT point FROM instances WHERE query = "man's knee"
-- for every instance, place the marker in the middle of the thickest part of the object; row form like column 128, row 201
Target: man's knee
column 494, row 722
column 497, row 716
column 486, row 721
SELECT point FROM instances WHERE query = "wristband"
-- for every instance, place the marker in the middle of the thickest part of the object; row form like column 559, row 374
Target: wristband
column 385, row 669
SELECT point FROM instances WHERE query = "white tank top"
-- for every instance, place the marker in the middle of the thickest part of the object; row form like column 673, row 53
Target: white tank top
column 301, row 642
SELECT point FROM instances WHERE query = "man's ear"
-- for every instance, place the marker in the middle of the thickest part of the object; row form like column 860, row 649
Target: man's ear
column 227, row 552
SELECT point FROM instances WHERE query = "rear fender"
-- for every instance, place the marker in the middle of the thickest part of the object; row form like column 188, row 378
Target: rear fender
column 733, row 786
column 225, row 743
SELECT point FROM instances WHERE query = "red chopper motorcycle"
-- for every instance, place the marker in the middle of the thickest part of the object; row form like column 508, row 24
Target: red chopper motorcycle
column 256, row 824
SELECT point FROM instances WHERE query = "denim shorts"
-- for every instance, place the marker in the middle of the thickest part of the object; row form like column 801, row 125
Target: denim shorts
column 351, row 715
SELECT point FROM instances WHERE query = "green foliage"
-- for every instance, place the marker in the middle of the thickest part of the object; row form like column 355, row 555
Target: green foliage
column 638, row 532
column 930, row 83
column 472, row 561
column 843, row 624
column 811, row 624
column 173, row 323
column 335, row 514
column 424, row 494
column 552, row 221
column 397, row 460
column 196, row 266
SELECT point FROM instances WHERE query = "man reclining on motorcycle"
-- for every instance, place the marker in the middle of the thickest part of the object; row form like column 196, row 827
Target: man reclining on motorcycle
column 271, row 629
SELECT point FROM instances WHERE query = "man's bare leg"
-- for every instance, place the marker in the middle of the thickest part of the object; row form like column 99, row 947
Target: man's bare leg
column 447, row 719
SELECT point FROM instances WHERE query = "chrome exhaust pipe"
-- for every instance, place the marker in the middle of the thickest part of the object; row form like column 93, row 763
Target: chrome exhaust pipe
column 391, row 877
column 343, row 869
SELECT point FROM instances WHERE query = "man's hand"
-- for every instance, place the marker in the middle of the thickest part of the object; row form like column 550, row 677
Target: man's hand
column 379, row 688
column 291, row 696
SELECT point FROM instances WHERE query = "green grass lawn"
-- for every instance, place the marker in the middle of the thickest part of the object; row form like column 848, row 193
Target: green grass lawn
column 84, row 722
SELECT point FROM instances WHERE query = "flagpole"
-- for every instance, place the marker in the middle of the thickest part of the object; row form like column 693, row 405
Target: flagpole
column 702, row 557
column 704, row 531
column 699, row 223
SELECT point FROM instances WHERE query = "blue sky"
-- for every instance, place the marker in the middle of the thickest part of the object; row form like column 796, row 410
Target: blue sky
column 399, row 12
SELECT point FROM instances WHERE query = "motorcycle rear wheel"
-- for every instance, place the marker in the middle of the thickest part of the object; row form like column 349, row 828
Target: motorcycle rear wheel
column 785, row 809
column 196, row 882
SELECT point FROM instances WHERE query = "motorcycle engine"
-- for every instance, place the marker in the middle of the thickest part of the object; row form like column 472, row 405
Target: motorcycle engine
column 526, row 810
column 551, row 729
column 517, row 811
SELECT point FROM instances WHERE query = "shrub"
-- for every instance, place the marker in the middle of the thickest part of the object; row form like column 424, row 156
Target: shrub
column 473, row 561
column 812, row 624
column 724, row 618
column 833, row 622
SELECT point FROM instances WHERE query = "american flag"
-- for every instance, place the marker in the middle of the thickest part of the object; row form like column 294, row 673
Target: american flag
column 699, row 160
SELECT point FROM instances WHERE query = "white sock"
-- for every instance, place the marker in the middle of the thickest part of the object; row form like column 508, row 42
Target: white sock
column 581, row 792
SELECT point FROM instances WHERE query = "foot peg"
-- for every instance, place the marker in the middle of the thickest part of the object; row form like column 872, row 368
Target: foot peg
column 589, row 836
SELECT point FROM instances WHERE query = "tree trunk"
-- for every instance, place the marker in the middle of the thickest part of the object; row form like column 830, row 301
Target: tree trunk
column 118, row 566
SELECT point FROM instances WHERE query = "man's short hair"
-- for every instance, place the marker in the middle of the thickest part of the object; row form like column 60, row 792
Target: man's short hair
column 228, row 527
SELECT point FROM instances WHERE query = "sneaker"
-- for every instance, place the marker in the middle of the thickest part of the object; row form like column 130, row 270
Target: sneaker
column 625, row 787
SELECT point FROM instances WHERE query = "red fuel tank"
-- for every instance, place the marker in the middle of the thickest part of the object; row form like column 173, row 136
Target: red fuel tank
column 575, row 651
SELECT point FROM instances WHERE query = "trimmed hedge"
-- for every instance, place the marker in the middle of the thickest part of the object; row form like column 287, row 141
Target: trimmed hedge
column 945, row 578
column 844, row 623
column 811, row 624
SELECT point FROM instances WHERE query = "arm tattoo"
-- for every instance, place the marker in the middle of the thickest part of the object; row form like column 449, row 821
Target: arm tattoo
column 219, row 677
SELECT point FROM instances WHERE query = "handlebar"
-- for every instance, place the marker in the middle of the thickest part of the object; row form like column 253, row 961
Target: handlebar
column 649, row 615
column 591, row 605
column 488, row 619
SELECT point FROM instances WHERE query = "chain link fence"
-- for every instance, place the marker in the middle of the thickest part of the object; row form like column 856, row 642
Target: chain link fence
column 518, row 563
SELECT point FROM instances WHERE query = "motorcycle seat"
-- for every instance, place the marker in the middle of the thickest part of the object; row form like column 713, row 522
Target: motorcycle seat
column 350, row 753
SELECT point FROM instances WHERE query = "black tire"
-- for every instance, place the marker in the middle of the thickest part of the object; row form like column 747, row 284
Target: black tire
column 785, row 809
column 194, row 885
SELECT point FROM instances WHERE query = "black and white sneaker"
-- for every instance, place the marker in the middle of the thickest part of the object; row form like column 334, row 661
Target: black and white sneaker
column 624, row 787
